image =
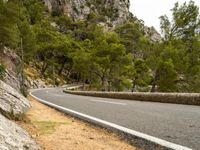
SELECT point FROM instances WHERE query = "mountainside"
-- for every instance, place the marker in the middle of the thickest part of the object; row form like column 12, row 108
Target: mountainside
column 111, row 11
column 99, row 43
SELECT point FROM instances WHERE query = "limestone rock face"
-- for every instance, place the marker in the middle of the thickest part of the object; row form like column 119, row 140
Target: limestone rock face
column 11, row 102
column 113, row 11
column 152, row 34
column 13, row 137
column 12, row 62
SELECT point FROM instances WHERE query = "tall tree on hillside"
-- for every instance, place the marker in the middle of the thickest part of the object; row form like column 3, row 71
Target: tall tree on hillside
column 28, row 39
column 110, row 58
column 185, row 23
column 183, row 34
column 161, row 64
column 130, row 35
column 35, row 10
column 139, row 74
column 46, row 40
column 9, row 33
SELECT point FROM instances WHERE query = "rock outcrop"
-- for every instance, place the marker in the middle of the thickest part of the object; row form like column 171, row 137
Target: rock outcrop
column 112, row 11
column 12, row 103
column 13, row 137
column 12, row 62
column 152, row 34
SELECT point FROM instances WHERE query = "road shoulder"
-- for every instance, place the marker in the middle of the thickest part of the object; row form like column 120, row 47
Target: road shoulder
column 54, row 130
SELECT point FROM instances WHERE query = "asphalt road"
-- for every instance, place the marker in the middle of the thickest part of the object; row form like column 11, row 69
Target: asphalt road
column 179, row 124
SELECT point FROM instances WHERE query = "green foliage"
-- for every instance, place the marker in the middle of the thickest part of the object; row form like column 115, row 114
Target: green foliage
column 28, row 40
column 130, row 35
column 35, row 10
column 167, row 77
column 140, row 74
column 185, row 22
column 182, row 40
column 110, row 60
column 82, row 51
column 161, row 60
column 9, row 33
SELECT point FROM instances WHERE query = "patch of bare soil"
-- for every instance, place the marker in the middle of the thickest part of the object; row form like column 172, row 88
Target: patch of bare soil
column 53, row 130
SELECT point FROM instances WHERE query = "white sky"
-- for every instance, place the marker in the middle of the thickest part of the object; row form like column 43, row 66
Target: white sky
column 150, row 10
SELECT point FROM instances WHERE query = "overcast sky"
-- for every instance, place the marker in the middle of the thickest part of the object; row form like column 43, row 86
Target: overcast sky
column 150, row 10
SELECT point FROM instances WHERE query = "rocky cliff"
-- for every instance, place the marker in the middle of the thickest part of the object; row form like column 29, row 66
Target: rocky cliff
column 13, row 137
column 12, row 62
column 111, row 11
column 13, row 105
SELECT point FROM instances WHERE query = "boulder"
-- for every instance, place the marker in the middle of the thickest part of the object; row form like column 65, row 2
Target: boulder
column 13, row 137
column 12, row 104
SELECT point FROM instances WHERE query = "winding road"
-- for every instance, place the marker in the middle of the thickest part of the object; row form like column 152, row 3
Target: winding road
column 179, row 124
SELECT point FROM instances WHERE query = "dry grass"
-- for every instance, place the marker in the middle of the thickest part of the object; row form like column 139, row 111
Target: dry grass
column 55, row 131
column 31, row 73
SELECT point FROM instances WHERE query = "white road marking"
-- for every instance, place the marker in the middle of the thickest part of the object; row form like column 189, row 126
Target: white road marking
column 115, row 126
column 54, row 94
column 100, row 101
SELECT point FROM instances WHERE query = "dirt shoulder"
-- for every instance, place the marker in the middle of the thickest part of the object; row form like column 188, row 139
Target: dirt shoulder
column 53, row 130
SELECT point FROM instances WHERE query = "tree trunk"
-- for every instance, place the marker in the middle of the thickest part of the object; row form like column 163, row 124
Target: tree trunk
column 103, row 83
column 109, row 85
column 133, row 85
column 153, row 88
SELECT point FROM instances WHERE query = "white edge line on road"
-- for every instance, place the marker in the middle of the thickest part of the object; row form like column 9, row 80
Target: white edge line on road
column 120, row 128
column 100, row 101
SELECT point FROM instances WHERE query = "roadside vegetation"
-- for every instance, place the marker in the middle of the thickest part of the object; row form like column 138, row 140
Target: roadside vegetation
column 117, row 60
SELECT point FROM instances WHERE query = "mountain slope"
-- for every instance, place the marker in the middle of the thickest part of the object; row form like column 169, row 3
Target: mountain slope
column 115, row 12
column 110, row 13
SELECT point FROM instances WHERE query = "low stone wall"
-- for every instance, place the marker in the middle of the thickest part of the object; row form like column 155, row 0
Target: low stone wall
column 176, row 98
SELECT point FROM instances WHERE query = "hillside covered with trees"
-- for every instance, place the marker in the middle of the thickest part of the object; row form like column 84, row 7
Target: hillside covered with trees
column 122, row 58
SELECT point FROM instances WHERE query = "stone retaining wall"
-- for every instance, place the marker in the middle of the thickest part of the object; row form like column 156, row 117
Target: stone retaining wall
column 177, row 98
